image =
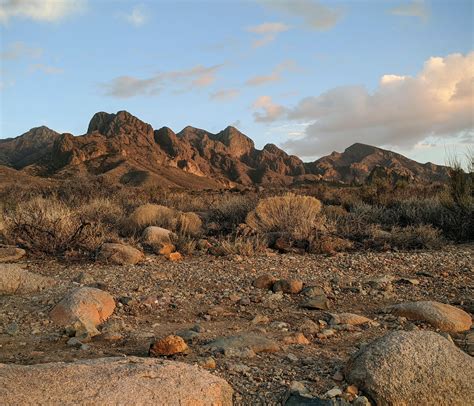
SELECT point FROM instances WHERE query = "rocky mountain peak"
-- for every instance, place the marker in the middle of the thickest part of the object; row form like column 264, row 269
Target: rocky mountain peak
column 238, row 144
column 121, row 123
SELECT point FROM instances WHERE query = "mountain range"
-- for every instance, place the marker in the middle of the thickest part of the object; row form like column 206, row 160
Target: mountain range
column 122, row 148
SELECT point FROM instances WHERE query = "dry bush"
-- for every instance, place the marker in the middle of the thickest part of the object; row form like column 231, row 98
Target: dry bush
column 49, row 226
column 102, row 210
column 298, row 216
column 231, row 210
column 149, row 215
column 189, row 224
column 184, row 243
column 329, row 244
column 241, row 245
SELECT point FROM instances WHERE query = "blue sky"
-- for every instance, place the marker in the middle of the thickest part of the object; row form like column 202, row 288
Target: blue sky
column 310, row 76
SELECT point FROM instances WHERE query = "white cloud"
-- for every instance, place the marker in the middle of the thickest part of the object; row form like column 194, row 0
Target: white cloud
column 314, row 14
column 271, row 110
column 49, row 70
column 268, row 32
column 19, row 50
column 224, row 94
column 416, row 8
column 400, row 112
column 39, row 10
column 185, row 80
column 137, row 17
column 274, row 76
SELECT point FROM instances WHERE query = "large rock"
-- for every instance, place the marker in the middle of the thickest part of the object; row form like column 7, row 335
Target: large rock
column 156, row 236
column 87, row 306
column 413, row 368
column 120, row 254
column 112, row 381
column 9, row 253
column 442, row 316
column 16, row 280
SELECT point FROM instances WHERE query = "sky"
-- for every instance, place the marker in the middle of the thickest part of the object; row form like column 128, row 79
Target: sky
column 310, row 76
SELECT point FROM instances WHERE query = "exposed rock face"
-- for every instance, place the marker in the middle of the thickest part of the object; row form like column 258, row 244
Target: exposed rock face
column 16, row 280
column 442, row 316
column 413, row 368
column 124, row 149
column 113, row 381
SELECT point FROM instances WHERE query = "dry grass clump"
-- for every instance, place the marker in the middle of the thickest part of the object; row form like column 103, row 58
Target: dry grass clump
column 241, row 245
column 411, row 237
column 189, row 224
column 149, row 215
column 231, row 210
column 49, row 226
column 296, row 215
column 103, row 210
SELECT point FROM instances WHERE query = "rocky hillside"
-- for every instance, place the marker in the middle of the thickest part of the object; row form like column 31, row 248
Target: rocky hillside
column 122, row 148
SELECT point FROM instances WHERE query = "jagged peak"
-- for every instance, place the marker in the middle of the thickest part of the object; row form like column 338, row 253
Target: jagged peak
column 110, row 124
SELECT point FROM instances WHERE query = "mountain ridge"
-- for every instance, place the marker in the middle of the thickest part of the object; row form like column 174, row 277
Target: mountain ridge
column 123, row 148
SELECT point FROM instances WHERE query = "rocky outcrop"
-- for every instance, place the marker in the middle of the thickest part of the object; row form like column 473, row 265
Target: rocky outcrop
column 112, row 381
column 413, row 368
column 125, row 149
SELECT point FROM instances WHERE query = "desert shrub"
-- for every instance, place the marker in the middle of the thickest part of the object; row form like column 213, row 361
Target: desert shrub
column 149, row 215
column 297, row 215
column 241, row 245
column 48, row 226
column 189, row 224
column 328, row 244
column 184, row 243
column 411, row 237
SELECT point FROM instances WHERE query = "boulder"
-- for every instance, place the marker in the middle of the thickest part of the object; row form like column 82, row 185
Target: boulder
column 112, row 381
column 16, row 280
column 156, row 236
column 413, row 368
column 84, row 308
column 120, row 254
column 9, row 253
column 442, row 316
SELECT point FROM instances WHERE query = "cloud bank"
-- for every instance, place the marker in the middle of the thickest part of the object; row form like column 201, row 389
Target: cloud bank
column 124, row 87
column 39, row 10
column 268, row 32
column 315, row 15
column 400, row 112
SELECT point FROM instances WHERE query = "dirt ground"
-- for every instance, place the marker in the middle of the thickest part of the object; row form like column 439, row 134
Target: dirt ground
column 159, row 297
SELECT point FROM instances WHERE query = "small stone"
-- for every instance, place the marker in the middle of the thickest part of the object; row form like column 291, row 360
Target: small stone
column 74, row 342
column 169, row 345
column 208, row 363
column 12, row 329
column 292, row 286
column 332, row 393
column 292, row 357
column 264, row 281
column 297, row 338
column 338, row 376
column 348, row 318
column 166, row 249
column 188, row 335
column 298, row 387
column 175, row 257
column 316, row 303
column 326, row 333
column 260, row 319
column 313, row 291
column 361, row 401
column 352, row 389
